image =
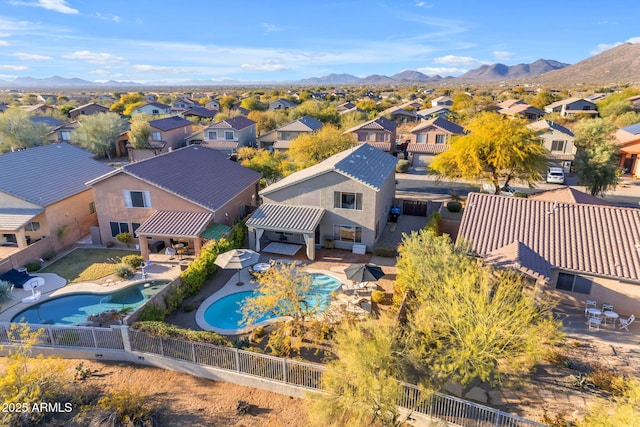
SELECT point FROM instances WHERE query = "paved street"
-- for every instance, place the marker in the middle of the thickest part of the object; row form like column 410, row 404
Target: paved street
column 417, row 183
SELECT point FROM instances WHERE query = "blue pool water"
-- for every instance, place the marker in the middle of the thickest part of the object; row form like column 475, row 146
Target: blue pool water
column 225, row 312
column 74, row 309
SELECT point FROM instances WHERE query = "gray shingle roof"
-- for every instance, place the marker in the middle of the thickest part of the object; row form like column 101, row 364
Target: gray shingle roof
column 363, row 163
column 237, row 123
column 47, row 174
column 296, row 219
column 201, row 175
column 544, row 124
column 441, row 123
column 303, row 124
column 169, row 123
column 591, row 239
column 175, row 224
column 632, row 129
column 381, row 123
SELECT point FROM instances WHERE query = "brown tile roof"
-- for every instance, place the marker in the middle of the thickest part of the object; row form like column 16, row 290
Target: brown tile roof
column 519, row 256
column 175, row 224
column 423, row 148
column 569, row 195
column 591, row 239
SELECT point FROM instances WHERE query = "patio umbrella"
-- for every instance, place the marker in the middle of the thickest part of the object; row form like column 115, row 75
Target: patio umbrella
column 238, row 259
column 363, row 272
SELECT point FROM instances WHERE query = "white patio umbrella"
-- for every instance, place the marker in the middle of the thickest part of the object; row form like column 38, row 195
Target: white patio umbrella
column 238, row 259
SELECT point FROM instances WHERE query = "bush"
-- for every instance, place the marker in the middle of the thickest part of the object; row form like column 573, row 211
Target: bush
column 125, row 238
column 152, row 313
column 378, row 296
column 402, row 166
column 174, row 298
column 385, row 251
column 5, row 291
column 520, row 194
column 188, row 308
column 49, row 255
column 165, row 330
column 126, row 407
column 454, row 206
column 123, row 271
column 434, row 222
column 133, row 260
column 33, row 266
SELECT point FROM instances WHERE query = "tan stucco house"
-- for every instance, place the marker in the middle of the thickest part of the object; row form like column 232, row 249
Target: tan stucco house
column 344, row 200
column 177, row 196
column 379, row 133
column 88, row 110
column 574, row 251
column 429, row 138
column 559, row 142
column 43, row 196
column 227, row 135
column 628, row 141
column 280, row 139
column 573, row 106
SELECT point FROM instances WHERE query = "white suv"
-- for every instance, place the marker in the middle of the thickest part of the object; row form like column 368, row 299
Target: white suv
column 555, row 176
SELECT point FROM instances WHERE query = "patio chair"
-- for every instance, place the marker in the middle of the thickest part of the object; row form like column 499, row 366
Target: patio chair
column 607, row 307
column 624, row 323
column 589, row 304
column 11, row 291
column 594, row 322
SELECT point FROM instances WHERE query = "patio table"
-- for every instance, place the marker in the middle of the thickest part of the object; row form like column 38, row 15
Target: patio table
column 594, row 311
column 610, row 315
column 261, row 267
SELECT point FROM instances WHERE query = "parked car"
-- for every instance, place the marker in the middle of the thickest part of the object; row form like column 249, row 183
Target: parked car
column 504, row 191
column 555, row 176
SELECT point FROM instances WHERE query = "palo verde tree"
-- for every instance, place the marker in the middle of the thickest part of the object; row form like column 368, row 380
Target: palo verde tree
column 466, row 321
column 18, row 132
column 140, row 132
column 272, row 166
column 597, row 154
column 311, row 148
column 98, row 132
column 497, row 149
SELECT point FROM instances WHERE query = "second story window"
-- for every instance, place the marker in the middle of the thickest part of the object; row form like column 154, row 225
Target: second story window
column 137, row 199
column 65, row 135
column 557, row 146
column 343, row 200
column 212, row 135
column 155, row 112
column 228, row 135
column 441, row 139
column 155, row 136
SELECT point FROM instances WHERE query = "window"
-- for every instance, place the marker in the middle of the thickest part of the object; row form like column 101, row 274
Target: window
column 155, row 136
column 441, row 139
column 155, row 112
column 347, row 200
column 379, row 137
column 557, row 146
column 65, row 135
column 347, row 233
column 32, row 226
column 362, row 136
column 134, row 228
column 573, row 283
column 137, row 199
column 118, row 227
column 92, row 207
column 421, row 138
column 212, row 135
column 228, row 135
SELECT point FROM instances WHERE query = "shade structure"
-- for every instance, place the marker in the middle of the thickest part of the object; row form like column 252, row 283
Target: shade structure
column 237, row 259
column 363, row 272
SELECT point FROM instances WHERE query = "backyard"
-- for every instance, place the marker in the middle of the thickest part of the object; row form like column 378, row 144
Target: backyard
column 87, row 264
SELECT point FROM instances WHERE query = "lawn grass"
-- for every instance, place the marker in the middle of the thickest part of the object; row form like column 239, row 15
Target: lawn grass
column 87, row 264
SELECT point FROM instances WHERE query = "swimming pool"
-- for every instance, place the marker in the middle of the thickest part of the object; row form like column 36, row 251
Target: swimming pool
column 223, row 315
column 74, row 309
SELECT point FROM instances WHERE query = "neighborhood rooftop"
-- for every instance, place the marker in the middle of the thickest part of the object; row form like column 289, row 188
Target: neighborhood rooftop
column 169, row 123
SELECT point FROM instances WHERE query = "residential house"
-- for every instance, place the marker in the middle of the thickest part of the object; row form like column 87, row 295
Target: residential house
column 171, row 131
column 572, row 106
column 558, row 141
column 341, row 202
column 442, row 101
column 280, row 139
column 400, row 115
column 282, row 104
column 47, row 98
column 43, row 196
column 152, row 109
column 568, row 194
column 184, row 104
column 429, row 138
column 199, row 112
column 628, row 141
column 3, row 107
column 63, row 133
column 508, row 103
column 430, row 113
column 574, row 251
column 212, row 105
column 227, row 135
column 182, row 196
column 88, row 110
column 523, row 110
column 379, row 133
column 346, row 106
column 150, row 98
column 39, row 109
column 48, row 121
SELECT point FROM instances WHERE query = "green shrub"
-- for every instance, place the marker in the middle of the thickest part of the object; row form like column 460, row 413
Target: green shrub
column 454, row 206
column 152, row 313
column 378, row 296
column 125, row 238
column 188, row 308
column 133, row 260
column 127, row 407
column 165, row 330
column 521, row 194
column 33, row 266
column 434, row 222
column 123, row 271
column 385, row 251
column 5, row 291
column 174, row 298
column 402, row 166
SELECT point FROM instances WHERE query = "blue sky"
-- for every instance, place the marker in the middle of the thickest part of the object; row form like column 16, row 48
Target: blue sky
column 148, row 41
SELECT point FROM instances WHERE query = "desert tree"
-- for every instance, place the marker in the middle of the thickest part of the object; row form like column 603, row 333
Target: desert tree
column 311, row 148
column 495, row 148
column 18, row 132
column 272, row 165
column 140, row 132
column 98, row 132
column 125, row 100
column 596, row 156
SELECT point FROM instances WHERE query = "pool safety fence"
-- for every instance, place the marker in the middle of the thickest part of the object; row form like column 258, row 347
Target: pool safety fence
column 291, row 372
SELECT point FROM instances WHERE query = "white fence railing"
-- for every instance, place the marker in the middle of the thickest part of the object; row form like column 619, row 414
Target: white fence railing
column 300, row 374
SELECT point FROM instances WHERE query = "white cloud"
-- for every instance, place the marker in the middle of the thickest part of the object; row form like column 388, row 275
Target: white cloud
column 456, row 61
column 502, row 55
column 13, row 67
column 94, row 58
column 442, row 71
column 145, row 68
column 604, row 46
column 264, row 67
column 4, row 43
column 270, row 28
column 55, row 5
column 423, row 4
column 108, row 17
column 31, row 57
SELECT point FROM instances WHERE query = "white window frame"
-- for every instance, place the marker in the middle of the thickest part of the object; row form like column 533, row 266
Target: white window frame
column 441, row 138
column 355, row 229
column 128, row 200
column 339, row 202
column 212, row 135
column 229, row 135
column 564, row 144
column 65, row 135
column 156, row 136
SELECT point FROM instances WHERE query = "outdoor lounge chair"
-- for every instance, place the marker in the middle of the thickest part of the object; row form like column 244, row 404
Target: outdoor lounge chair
column 624, row 323
column 16, row 278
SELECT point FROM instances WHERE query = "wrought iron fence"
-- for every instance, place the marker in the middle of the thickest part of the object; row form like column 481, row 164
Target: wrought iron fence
column 300, row 374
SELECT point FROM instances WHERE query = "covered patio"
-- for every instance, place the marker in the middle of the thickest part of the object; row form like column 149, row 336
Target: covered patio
column 285, row 224
column 178, row 230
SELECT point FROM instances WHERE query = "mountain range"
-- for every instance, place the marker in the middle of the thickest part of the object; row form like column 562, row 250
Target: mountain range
column 620, row 64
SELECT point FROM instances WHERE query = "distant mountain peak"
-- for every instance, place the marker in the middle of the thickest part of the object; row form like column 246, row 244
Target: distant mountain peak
column 498, row 72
